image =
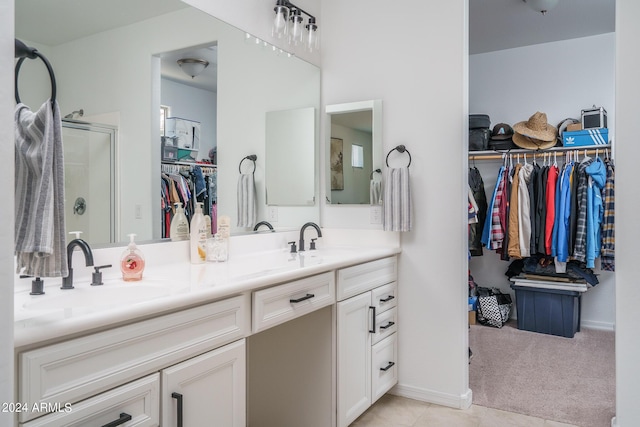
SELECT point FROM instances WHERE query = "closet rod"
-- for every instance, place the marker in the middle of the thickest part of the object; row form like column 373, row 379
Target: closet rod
column 497, row 155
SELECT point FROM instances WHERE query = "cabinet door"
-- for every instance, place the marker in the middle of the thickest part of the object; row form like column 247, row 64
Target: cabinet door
column 354, row 323
column 210, row 388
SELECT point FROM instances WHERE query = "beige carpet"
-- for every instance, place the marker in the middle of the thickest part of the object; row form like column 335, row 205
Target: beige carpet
column 570, row 380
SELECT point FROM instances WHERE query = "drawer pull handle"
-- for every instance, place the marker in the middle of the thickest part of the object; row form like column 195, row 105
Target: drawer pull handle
column 373, row 320
column 304, row 298
column 387, row 299
column 386, row 368
column 124, row 417
column 178, row 397
column 388, row 325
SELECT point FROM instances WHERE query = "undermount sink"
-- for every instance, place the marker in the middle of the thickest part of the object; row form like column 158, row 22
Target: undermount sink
column 109, row 294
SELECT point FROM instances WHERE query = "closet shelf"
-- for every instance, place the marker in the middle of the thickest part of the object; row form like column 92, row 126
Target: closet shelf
column 497, row 155
column 206, row 165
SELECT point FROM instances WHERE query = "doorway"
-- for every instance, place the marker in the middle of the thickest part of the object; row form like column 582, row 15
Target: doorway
column 511, row 79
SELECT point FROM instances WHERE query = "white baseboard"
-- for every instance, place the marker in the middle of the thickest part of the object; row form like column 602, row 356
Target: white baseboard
column 592, row 324
column 462, row 401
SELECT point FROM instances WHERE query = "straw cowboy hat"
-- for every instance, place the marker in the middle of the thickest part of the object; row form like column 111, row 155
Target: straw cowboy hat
column 535, row 133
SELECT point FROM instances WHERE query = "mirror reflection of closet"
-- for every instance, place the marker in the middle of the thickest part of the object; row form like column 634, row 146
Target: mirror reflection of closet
column 353, row 151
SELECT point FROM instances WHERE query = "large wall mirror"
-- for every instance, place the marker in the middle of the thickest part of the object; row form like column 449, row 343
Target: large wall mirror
column 116, row 61
column 354, row 151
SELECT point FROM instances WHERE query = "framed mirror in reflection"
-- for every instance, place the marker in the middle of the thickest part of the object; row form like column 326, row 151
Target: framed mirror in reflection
column 117, row 61
column 354, row 153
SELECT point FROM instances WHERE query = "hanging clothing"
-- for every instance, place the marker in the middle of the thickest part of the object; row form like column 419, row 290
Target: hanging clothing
column 597, row 174
column 580, row 248
column 607, row 251
column 550, row 202
column 514, row 238
column 476, row 184
column 524, row 210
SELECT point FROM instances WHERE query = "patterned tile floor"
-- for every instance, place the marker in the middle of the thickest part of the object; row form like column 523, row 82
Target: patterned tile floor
column 395, row 411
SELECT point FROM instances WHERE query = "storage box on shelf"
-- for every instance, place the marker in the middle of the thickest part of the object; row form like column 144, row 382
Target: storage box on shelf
column 586, row 137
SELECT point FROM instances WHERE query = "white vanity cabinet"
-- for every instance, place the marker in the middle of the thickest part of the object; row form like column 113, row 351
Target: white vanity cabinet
column 206, row 390
column 183, row 347
column 366, row 336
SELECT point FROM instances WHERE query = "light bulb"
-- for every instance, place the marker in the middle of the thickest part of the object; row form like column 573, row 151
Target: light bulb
column 296, row 31
column 313, row 41
column 279, row 28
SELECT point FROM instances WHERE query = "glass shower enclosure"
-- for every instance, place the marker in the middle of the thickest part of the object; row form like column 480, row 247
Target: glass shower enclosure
column 90, row 181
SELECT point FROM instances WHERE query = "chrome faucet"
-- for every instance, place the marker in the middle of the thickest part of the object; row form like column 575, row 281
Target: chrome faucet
column 67, row 282
column 304, row 227
column 265, row 223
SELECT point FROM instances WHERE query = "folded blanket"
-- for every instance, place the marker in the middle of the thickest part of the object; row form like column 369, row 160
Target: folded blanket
column 246, row 200
column 396, row 211
column 39, row 185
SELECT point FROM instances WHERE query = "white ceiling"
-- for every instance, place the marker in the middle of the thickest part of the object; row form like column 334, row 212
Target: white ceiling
column 54, row 22
column 505, row 24
column 493, row 25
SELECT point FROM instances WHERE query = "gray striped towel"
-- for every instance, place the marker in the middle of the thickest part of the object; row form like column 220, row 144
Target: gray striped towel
column 246, row 200
column 396, row 201
column 39, row 199
column 375, row 192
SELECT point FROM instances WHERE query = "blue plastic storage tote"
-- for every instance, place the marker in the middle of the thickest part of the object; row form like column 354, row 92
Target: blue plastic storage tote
column 548, row 311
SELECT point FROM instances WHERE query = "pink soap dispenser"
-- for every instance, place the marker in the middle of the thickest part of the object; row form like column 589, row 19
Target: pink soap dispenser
column 132, row 261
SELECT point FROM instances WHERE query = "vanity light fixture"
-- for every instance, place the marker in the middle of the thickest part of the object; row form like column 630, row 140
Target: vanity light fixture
column 289, row 23
column 193, row 66
column 542, row 6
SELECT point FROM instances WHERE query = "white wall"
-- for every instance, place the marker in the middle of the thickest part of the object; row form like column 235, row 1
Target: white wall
column 510, row 86
column 413, row 59
column 559, row 79
column 194, row 104
column 7, row 225
column 627, row 206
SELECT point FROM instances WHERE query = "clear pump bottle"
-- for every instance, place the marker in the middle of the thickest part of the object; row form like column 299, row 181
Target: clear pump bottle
column 132, row 261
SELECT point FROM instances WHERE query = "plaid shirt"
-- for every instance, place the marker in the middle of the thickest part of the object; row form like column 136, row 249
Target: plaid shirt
column 607, row 250
column 580, row 248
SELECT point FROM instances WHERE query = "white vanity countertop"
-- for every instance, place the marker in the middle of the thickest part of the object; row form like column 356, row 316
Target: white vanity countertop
column 165, row 287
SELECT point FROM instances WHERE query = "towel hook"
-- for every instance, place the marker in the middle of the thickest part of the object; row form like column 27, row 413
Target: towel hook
column 23, row 52
column 374, row 171
column 400, row 149
column 251, row 157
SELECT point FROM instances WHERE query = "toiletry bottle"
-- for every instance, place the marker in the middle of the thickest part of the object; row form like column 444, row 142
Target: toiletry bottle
column 198, row 236
column 179, row 225
column 207, row 223
column 224, row 228
column 132, row 261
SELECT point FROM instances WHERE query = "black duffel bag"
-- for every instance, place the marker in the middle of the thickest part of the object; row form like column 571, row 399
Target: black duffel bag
column 479, row 139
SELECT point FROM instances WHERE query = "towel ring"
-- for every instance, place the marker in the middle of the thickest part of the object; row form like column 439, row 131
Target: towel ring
column 400, row 149
column 375, row 171
column 23, row 52
column 251, row 157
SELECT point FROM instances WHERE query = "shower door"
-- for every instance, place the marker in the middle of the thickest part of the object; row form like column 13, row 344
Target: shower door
column 90, row 180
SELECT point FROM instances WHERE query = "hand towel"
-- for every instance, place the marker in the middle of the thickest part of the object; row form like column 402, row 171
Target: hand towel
column 396, row 202
column 375, row 191
column 246, row 200
column 39, row 185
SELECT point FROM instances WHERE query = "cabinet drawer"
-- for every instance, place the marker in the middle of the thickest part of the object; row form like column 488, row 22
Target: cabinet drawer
column 78, row 368
column 384, row 368
column 364, row 277
column 386, row 324
column 282, row 303
column 385, row 297
column 139, row 399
